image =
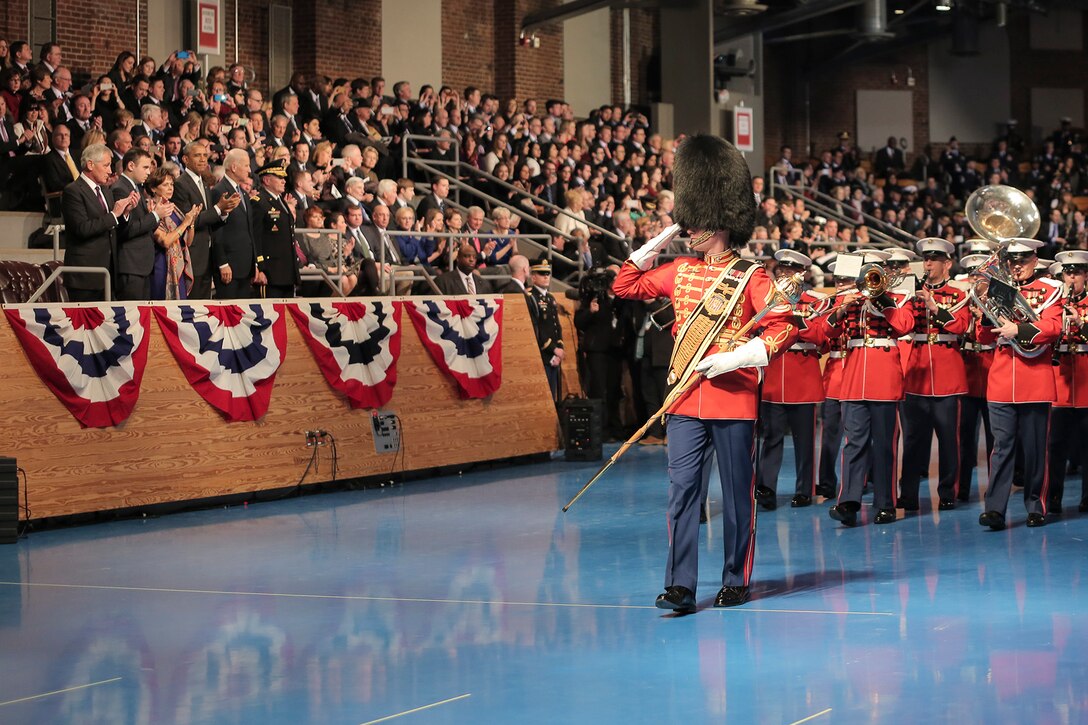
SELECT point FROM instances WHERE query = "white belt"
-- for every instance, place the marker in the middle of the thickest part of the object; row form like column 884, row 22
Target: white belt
column 837, row 354
column 802, row 346
column 936, row 337
column 1072, row 348
column 871, row 342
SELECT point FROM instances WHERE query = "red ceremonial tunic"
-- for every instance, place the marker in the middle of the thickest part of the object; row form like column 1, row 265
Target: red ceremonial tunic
column 732, row 396
column 835, row 347
column 936, row 365
column 1071, row 372
column 873, row 369
column 1017, row 379
column 977, row 359
column 795, row 377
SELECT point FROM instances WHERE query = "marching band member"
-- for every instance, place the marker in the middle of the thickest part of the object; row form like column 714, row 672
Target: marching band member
column 899, row 260
column 872, row 386
column 935, row 378
column 831, row 410
column 977, row 359
column 1020, row 390
column 1069, row 417
column 713, row 297
column 792, row 388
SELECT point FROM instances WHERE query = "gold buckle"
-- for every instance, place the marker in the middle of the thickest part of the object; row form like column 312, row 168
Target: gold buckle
column 932, row 338
column 672, row 377
column 868, row 341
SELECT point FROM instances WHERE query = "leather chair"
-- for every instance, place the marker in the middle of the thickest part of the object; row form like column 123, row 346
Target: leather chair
column 20, row 280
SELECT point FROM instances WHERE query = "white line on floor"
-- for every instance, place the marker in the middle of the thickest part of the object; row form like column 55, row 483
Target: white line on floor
column 60, row 692
column 418, row 709
column 811, row 717
column 361, row 598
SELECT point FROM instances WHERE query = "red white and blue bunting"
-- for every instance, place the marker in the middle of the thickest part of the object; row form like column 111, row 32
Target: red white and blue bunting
column 228, row 353
column 356, row 345
column 91, row 358
column 464, row 338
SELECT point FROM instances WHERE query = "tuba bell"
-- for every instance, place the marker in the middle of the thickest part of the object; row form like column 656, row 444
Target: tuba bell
column 1001, row 214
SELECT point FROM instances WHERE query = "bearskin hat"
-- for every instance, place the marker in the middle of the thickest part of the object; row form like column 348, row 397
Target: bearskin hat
column 713, row 189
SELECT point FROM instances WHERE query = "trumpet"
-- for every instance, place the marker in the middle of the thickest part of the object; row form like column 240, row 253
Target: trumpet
column 874, row 280
column 1000, row 214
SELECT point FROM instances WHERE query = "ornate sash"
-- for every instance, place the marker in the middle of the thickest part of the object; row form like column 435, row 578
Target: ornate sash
column 708, row 318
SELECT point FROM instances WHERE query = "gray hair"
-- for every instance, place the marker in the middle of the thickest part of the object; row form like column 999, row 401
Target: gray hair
column 148, row 110
column 235, row 157
column 387, row 186
column 355, row 182
column 93, row 154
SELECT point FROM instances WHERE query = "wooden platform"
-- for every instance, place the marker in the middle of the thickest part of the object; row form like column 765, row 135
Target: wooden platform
column 175, row 447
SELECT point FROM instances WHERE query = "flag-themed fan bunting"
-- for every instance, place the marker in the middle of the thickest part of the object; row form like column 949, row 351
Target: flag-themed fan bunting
column 464, row 338
column 91, row 358
column 228, row 353
column 356, row 345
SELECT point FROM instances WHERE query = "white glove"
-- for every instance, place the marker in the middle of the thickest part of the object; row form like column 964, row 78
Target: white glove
column 644, row 256
column 752, row 354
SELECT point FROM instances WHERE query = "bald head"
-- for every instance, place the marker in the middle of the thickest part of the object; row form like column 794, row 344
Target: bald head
column 519, row 267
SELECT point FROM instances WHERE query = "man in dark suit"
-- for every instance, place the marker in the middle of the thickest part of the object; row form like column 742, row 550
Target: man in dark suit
column 91, row 225
column 889, row 159
column 463, row 279
column 274, row 229
column 59, row 168
column 519, row 279
column 234, row 249
column 190, row 190
column 81, row 121
column 135, row 240
column 440, row 189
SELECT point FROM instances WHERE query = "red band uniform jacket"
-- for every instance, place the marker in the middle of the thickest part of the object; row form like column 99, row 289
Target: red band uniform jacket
column 1013, row 377
column 732, row 396
column 794, row 377
column 1071, row 356
column 977, row 360
column 936, row 366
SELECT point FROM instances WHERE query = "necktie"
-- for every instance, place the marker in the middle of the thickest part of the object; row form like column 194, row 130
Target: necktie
column 71, row 164
column 470, row 284
column 200, row 188
column 3, row 132
column 361, row 244
column 102, row 199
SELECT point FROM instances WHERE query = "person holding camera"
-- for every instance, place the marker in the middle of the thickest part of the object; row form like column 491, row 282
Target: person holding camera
column 601, row 330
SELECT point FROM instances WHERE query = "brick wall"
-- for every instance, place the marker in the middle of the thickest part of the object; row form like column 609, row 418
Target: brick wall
column 92, row 34
column 644, row 41
column 527, row 72
column 338, row 38
column 468, row 30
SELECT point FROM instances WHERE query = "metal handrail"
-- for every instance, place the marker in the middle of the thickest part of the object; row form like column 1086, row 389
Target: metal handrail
column 83, row 270
column 877, row 226
column 319, row 273
column 454, row 141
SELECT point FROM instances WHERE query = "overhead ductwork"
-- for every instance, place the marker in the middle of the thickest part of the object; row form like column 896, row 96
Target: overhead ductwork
column 873, row 22
column 738, row 8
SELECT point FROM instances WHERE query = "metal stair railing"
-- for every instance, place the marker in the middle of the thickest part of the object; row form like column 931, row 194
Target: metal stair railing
column 818, row 200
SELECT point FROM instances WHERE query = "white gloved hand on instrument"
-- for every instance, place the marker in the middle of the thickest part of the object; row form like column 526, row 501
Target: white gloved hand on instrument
column 644, row 256
column 752, row 354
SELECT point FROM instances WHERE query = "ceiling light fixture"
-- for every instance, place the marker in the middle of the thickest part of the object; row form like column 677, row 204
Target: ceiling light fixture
column 944, row 6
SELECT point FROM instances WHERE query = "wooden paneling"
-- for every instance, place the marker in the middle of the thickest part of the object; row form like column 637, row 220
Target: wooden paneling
column 176, row 447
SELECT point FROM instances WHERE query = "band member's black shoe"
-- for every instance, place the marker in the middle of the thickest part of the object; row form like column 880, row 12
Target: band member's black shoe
column 1036, row 519
column 908, row 504
column 964, row 498
column 702, row 515
column 946, row 504
column 993, row 519
column 766, row 498
column 801, row 500
column 826, row 491
column 731, row 596
column 1083, row 506
column 885, row 516
column 679, row 599
column 840, row 512
column 1054, row 506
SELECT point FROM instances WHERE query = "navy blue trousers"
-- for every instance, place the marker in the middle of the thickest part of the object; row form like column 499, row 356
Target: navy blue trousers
column 871, row 430
column 971, row 411
column 830, row 441
column 732, row 441
column 1026, row 424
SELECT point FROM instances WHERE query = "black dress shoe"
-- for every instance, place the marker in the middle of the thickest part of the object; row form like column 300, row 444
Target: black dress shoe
column 801, row 500
column 767, row 498
column 731, row 596
column 702, row 515
column 1083, row 506
column 994, row 519
column 679, row 599
column 908, row 504
column 964, row 499
column 946, row 504
column 826, row 491
column 840, row 512
column 1055, row 506
column 1036, row 519
column 885, row 516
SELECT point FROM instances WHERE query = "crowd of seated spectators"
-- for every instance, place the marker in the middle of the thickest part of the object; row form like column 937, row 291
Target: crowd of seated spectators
column 343, row 141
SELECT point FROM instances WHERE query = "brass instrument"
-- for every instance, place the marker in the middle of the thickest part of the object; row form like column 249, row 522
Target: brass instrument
column 1001, row 214
column 874, row 280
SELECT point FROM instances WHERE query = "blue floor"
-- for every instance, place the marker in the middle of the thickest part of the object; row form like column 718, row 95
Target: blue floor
column 474, row 600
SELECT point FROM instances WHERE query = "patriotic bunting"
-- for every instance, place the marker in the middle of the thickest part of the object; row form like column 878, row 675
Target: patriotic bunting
column 356, row 345
column 228, row 353
column 91, row 358
column 464, row 338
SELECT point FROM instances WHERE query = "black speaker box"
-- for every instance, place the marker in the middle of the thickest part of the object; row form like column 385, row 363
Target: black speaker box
column 581, row 421
column 9, row 501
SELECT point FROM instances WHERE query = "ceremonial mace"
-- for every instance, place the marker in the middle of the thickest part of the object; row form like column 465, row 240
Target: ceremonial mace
column 786, row 290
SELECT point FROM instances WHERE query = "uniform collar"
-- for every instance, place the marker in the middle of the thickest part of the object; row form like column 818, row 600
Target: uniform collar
column 720, row 257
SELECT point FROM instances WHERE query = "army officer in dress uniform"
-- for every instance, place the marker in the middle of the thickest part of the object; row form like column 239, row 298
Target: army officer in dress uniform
column 274, row 233
column 549, row 335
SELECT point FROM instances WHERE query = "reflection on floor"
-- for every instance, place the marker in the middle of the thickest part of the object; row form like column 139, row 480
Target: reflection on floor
column 476, row 596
